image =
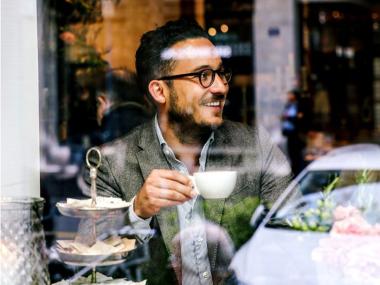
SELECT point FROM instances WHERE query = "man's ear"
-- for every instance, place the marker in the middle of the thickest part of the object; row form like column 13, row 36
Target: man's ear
column 103, row 104
column 102, row 99
column 156, row 89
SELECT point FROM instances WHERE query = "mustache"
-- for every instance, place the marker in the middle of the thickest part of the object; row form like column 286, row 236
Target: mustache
column 212, row 98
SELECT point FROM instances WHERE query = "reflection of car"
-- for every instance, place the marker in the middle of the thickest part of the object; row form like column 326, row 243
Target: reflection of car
column 329, row 235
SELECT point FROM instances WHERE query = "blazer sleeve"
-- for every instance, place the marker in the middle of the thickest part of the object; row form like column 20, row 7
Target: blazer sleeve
column 275, row 173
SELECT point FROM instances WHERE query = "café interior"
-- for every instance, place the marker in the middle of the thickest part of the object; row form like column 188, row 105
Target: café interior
column 56, row 57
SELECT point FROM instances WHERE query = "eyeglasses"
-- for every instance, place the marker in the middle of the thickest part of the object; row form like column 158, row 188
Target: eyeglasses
column 206, row 76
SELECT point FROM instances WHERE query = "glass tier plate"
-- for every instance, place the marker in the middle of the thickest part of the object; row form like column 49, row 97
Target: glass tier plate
column 88, row 212
column 92, row 259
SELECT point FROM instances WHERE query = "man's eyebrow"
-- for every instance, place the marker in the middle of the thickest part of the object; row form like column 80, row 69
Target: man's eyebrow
column 202, row 67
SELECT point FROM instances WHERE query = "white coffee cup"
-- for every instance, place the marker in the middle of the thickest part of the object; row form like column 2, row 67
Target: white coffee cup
column 215, row 184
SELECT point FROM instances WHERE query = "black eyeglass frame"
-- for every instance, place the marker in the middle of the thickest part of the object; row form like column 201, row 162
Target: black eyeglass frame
column 221, row 72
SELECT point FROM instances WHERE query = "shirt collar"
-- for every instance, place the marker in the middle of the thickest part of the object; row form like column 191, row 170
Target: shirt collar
column 161, row 137
column 158, row 132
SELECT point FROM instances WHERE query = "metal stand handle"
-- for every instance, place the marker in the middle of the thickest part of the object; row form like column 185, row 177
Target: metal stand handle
column 93, row 172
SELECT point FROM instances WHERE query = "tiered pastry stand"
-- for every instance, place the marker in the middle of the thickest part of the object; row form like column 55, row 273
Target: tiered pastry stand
column 92, row 214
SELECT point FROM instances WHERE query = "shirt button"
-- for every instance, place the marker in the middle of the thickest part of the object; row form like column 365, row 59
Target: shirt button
column 205, row 275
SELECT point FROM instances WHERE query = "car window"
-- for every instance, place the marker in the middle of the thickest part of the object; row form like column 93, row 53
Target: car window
column 316, row 181
column 327, row 195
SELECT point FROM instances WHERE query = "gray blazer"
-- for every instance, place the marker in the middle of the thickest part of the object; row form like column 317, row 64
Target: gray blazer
column 263, row 172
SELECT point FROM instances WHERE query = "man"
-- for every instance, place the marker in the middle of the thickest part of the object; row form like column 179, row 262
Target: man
column 182, row 71
column 292, row 118
column 120, row 105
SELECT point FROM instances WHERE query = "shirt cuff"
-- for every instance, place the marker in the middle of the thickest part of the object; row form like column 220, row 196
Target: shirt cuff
column 138, row 223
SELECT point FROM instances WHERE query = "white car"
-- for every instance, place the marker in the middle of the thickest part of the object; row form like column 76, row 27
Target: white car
column 328, row 235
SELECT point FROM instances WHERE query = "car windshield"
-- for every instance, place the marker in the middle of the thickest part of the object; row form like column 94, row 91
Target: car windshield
column 330, row 197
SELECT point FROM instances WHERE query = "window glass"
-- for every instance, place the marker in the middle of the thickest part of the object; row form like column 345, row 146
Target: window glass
column 187, row 160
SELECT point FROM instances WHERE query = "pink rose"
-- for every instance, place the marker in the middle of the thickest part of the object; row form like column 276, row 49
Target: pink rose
column 349, row 220
column 351, row 226
column 341, row 212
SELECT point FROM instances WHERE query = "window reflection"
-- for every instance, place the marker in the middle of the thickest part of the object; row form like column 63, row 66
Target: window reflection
column 327, row 52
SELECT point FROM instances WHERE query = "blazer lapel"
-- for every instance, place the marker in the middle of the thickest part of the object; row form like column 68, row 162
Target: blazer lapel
column 150, row 157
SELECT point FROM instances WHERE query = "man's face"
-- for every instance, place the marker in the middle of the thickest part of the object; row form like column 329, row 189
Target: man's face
column 188, row 101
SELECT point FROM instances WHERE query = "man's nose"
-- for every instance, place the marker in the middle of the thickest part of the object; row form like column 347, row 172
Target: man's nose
column 219, row 85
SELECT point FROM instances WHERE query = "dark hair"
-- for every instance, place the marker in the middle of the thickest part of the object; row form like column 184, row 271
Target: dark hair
column 120, row 86
column 149, row 61
column 296, row 92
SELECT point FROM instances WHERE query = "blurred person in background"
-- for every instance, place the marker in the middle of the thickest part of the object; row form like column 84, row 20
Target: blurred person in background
column 291, row 121
column 120, row 105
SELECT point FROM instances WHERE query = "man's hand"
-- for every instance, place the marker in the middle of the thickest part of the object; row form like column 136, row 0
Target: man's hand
column 162, row 188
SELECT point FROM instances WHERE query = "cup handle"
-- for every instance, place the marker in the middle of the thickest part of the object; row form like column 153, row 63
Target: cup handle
column 194, row 185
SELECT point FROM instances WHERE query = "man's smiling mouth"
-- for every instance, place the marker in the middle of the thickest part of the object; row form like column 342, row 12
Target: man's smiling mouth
column 214, row 104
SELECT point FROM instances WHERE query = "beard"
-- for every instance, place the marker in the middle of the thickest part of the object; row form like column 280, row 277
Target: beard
column 183, row 124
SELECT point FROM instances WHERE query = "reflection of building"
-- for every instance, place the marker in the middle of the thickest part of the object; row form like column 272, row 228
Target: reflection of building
column 309, row 44
column 338, row 52
column 275, row 60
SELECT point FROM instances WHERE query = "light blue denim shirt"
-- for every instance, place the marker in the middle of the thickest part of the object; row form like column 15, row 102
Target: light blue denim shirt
column 195, row 263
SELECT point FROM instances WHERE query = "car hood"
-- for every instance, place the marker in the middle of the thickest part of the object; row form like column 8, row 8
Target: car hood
column 278, row 256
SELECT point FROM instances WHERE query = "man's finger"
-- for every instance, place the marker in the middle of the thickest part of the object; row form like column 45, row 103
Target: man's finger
column 172, row 195
column 175, row 186
column 173, row 175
